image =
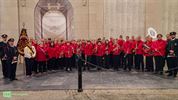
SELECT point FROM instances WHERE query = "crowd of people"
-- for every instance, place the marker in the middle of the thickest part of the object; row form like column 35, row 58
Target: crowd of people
column 45, row 55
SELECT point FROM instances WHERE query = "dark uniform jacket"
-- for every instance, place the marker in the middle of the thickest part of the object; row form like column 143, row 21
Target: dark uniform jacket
column 172, row 45
column 2, row 49
column 11, row 52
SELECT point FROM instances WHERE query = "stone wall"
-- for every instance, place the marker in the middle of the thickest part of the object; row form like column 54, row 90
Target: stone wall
column 98, row 18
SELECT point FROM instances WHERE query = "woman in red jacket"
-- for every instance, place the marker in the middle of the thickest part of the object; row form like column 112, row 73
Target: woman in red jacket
column 68, row 56
column 51, row 51
column 148, row 52
column 41, row 56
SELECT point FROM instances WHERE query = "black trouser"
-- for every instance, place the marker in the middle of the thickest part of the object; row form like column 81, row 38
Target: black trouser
column 68, row 63
column 116, row 62
column 107, row 63
column 93, row 61
column 111, row 60
column 132, row 60
column 42, row 66
column 51, row 64
column 122, row 59
column 172, row 63
column 73, row 61
column 13, row 71
column 60, row 63
column 4, row 68
column 78, row 61
column 29, row 65
column 35, row 66
column 99, row 62
column 128, row 62
column 149, row 63
column 89, row 59
column 159, row 63
column 57, row 63
column 139, row 63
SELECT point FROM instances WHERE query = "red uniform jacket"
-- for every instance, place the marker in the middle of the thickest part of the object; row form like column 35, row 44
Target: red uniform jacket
column 88, row 49
column 107, row 49
column 51, row 52
column 62, row 50
column 116, row 49
column 111, row 47
column 68, row 51
column 41, row 54
column 139, row 47
column 120, row 42
column 100, row 50
column 133, row 42
column 159, row 47
column 127, row 47
column 74, row 46
column 148, row 51
column 83, row 47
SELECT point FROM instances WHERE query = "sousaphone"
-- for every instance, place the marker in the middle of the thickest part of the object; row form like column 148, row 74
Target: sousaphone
column 152, row 33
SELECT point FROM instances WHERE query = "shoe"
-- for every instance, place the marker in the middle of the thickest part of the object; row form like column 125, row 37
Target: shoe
column 169, row 75
column 161, row 73
column 175, row 76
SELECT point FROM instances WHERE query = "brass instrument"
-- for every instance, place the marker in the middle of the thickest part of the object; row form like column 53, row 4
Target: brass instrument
column 145, row 46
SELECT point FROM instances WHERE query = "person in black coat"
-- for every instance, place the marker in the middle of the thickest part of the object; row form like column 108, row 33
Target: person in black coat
column 172, row 55
column 3, row 46
column 12, row 58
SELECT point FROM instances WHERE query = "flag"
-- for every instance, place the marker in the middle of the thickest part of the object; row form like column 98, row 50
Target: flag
column 22, row 42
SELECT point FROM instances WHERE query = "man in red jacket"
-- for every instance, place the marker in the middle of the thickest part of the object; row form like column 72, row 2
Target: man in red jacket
column 127, row 47
column 100, row 51
column 74, row 46
column 159, row 47
column 61, row 51
column 111, row 53
column 88, row 51
column 107, row 54
column 121, row 42
column 41, row 56
column 68, row 56
column 133, row 41
column 116, row 55
column 139, row 63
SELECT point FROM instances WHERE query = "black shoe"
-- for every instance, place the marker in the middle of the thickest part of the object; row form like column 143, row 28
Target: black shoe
column 161, row 73
column 16, row 79
column 175, row 76
column 169, row 75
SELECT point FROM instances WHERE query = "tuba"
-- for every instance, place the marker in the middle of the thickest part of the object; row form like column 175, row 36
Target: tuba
column 152, row 33
column 147, row 48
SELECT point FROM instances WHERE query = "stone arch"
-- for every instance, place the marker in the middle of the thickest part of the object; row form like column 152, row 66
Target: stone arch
column 63, row 6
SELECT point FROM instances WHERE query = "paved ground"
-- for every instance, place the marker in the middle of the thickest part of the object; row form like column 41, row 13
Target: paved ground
column 95, row 95
column 104, row 85
column 92, row 80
